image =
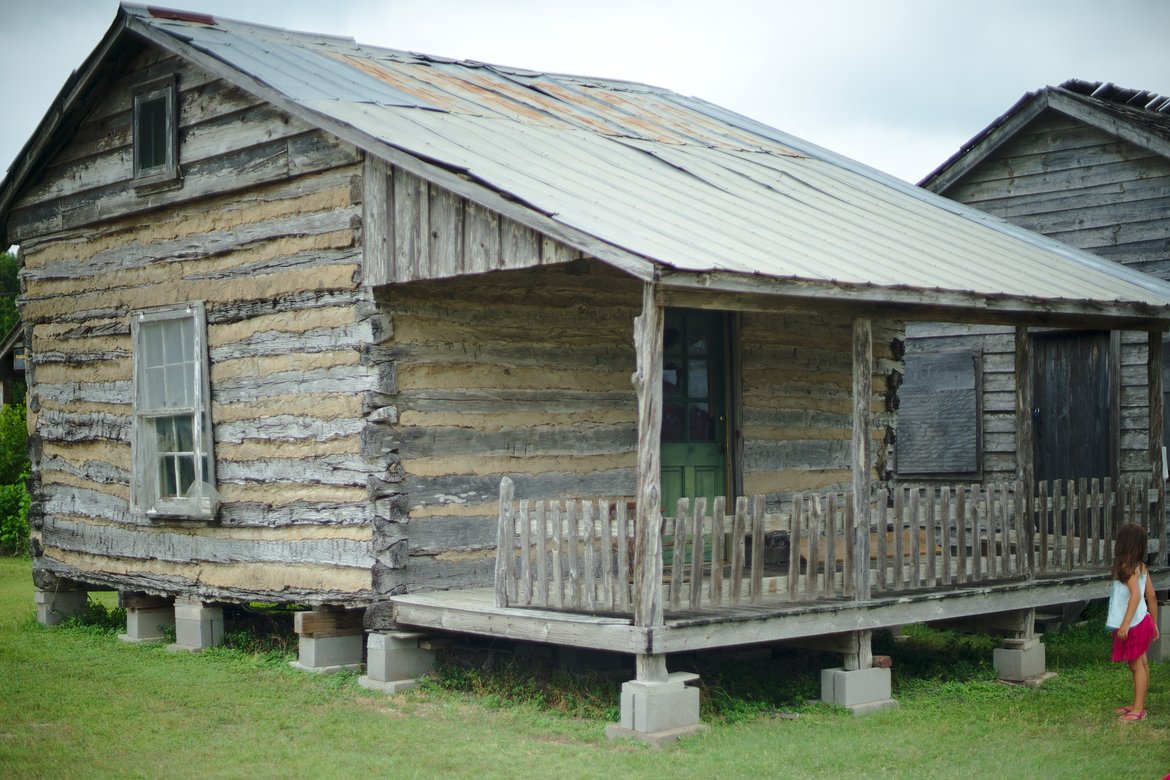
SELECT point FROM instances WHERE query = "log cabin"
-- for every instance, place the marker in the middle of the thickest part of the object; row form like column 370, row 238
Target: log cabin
column 427, row 346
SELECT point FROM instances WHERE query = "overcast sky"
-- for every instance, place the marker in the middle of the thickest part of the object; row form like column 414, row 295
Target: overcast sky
column 896, row 84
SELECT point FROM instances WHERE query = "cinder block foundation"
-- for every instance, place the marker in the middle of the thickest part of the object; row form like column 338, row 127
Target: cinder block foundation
column 1160, row 649
column 329, row 654
column 860, row 690
column 1019, row 659
column 395, row 660
column 56, row 606
column 658, row 712
column 148, row 624
column 329, row 641
column 197, row 626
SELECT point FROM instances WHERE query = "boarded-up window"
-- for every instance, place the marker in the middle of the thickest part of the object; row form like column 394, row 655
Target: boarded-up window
column 938, row 414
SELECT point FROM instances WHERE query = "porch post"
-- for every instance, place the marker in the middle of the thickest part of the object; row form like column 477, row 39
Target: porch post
column 858, row 684
column 656, row 707
column 648, row 517
column 1025, row 456
column 1157, row 429
column 862, row 426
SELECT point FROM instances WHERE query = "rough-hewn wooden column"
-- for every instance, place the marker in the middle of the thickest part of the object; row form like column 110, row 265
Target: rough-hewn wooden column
column 862, row 427
column 1025, row 458
column 648, row 520
column 1157, row 428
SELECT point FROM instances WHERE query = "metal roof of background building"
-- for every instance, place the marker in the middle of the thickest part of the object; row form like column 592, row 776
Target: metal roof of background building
column 672, row 182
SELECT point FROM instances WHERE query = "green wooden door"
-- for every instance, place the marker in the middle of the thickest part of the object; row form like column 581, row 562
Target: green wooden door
column 694, row 417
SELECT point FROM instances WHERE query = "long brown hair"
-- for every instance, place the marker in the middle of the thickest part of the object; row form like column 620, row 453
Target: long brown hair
column 1129, row 551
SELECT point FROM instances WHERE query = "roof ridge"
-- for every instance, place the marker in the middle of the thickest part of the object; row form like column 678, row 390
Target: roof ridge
column 1107, row 91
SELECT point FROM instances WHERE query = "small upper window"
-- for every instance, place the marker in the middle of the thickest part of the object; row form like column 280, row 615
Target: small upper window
column 156, row 133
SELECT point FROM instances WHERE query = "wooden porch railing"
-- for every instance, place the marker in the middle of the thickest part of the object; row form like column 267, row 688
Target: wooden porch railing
column 579, row 554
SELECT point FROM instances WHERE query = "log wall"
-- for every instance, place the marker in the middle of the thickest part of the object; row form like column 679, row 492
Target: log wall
column 266, row 230
column 796, row 400
column 524, row 373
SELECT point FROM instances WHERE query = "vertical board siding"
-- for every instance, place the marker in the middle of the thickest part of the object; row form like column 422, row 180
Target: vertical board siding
column 277, row 266
column 999, row 400
column 1082, row 186
column 422, row 231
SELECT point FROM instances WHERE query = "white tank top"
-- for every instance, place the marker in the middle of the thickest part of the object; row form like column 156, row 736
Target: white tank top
column 1119, row 602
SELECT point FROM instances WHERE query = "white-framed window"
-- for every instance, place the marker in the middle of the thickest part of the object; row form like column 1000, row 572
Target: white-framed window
column 174, row 465
column 156, row 133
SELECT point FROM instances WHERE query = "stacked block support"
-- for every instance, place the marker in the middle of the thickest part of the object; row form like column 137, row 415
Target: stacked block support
column 198, row 626
column 395, row 660
column 56, row 606
column 328, row 641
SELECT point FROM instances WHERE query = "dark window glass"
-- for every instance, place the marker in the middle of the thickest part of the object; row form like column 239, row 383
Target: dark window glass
column 151, row 133
column 672, row 422
column 702, row 426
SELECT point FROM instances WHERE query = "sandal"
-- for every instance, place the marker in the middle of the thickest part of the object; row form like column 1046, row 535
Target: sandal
column 1131, row 716
column 1122, row 710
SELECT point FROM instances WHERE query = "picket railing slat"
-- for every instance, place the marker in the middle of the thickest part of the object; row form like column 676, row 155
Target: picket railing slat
column 698, row 552
column 718, row 551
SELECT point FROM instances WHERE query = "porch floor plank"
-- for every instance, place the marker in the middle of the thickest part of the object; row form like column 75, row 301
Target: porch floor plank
column 777, row 618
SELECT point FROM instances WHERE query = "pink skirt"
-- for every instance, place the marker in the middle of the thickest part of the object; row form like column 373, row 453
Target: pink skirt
column 1136, row 642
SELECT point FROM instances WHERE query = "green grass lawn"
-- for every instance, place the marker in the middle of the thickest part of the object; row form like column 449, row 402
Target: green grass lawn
column 76, row 702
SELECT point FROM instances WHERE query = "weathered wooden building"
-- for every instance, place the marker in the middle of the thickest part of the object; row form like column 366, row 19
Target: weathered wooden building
column 299, row 309
column 1088, row 164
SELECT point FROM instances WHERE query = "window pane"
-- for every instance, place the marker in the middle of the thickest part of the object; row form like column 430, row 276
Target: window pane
column 151, row 133
column 698, row 335
column 671, row 378
column 672, row 423
column 672, row 338
column 184, row 433
column 701, row 423
column 697, row 379
column 180, row 389
column 168, row 486
column 152, row 344
column 186, row 335
column 186, row 465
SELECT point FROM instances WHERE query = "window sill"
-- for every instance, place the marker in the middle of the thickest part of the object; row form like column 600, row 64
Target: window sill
column 189, row 512
column 158, row 182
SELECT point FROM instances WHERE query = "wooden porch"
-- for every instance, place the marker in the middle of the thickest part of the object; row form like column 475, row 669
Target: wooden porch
column 564, row 571
column 630, row 575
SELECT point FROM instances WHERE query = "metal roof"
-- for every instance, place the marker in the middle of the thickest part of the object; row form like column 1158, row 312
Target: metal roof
column 666, row 179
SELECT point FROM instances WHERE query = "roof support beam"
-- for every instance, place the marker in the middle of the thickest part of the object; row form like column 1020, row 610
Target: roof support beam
column 862, row 424
column 648, row 327
column 1157, row 431
column 1025, row 453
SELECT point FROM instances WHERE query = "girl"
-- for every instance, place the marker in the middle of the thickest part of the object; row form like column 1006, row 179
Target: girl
column 1134, row 620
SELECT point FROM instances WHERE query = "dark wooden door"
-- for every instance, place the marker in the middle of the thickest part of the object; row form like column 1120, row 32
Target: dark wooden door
column 1072, row 411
